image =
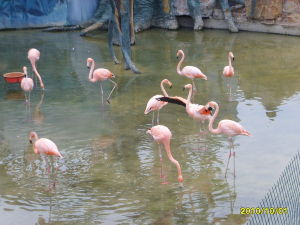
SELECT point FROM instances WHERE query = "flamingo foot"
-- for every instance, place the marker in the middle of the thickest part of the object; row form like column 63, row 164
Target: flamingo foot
column 165, row 182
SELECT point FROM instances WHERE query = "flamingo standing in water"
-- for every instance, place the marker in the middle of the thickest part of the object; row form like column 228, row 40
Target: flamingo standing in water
column 228, row 71
column 100, row 75
column 43, row 145
column 154, row 104
column 34, row 56
column 27, row 84
column 189, row 71
column 229, row 128
column 198, row 112
column 162, row 135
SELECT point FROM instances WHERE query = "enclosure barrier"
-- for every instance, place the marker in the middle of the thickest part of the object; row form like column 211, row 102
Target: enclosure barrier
column 281, row 205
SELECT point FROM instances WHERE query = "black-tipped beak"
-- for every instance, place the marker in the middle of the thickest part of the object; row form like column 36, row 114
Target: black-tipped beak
column 171, row 86
column 183, row 88
column 88, row 67
column 232, row 58
column 210, row 109
column 177, row 57
column 108, row 101
column 30, row 141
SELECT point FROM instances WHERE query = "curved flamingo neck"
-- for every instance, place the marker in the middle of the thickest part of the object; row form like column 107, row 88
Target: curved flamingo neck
column 32, row 61
column 211, row 121
column 163, row 88
column 180, row 62
column 91, row 78
column 169, row 154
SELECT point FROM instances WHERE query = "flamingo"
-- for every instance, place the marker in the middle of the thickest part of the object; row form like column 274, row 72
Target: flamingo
column 229, row 70
column 198, row 112
column 34, row 56
column 100, row 75
column 43, row 145
column 189, row 71
column 162, row 135
column 155, row 105
column 229, row 128
column 27, row 83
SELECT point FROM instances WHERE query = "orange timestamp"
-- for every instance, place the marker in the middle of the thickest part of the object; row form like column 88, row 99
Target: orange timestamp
column 263, row 210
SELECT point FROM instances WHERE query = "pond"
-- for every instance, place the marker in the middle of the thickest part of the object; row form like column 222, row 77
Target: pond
column 111, row 172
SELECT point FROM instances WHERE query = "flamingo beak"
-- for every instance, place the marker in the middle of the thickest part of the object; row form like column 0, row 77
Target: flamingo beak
column 183, row 88
column 30, row 141
column 210, row 109
column 171, row 86
column 148, row 131
column 88, row 67
column 232, row 58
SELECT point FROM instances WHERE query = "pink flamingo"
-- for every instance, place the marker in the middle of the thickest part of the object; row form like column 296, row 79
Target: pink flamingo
column 43, row 145
column 34, row 56
column 229, row 70
column 162, row 135
column 27, row 83
column 229, row 128
column 198, row 112
column 154, row 104
column 100, row 75
column 189, row 71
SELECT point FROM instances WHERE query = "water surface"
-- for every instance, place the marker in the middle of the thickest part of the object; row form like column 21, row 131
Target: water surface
column 111, row 173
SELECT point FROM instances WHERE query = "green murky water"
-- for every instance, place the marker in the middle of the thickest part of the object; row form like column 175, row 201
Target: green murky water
column 111, row 173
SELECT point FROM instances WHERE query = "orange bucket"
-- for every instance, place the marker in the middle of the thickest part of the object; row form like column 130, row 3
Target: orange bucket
column 13, row 77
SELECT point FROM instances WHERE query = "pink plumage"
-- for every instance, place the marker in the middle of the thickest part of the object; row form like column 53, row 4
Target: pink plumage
column 43, row 145
column 228, row 71
column 162, row 135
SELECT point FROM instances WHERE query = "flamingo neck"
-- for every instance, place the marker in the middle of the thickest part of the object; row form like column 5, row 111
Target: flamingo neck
column 211, row 121
column 169, row 154
column 229, row 61
column 37, row 73
column 91, row 78
column 163, row 88
column 179, row 63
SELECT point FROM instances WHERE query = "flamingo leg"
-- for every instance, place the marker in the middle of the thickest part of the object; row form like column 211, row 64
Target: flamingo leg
column 115, row 85
column 194, row 86
column 153, row 118
column 101, row 89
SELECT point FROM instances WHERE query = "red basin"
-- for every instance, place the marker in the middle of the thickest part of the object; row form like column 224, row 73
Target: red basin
column 13, row 77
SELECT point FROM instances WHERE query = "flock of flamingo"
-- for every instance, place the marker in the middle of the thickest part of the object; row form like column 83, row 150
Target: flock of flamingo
column 160, row 133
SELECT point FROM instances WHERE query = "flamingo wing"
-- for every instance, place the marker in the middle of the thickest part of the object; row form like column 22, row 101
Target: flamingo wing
column 174, row 100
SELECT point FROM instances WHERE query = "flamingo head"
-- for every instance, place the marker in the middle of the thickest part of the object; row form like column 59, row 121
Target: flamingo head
column 206, row 110
column 180, row 179
column 230, row 54
column 89, row 62
column 112, row 75
column 25, row 70
column 32, row 137
column 203, row 76
column 187, row 86
column 179, row 52
column 168, row 82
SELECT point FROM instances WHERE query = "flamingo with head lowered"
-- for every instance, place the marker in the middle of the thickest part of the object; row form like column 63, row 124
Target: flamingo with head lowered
column 34, row 56
column 100, row 75
column 191, row 72
column 162, row 135
column 154, row 104
column 198, row 112
column 27, row 84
